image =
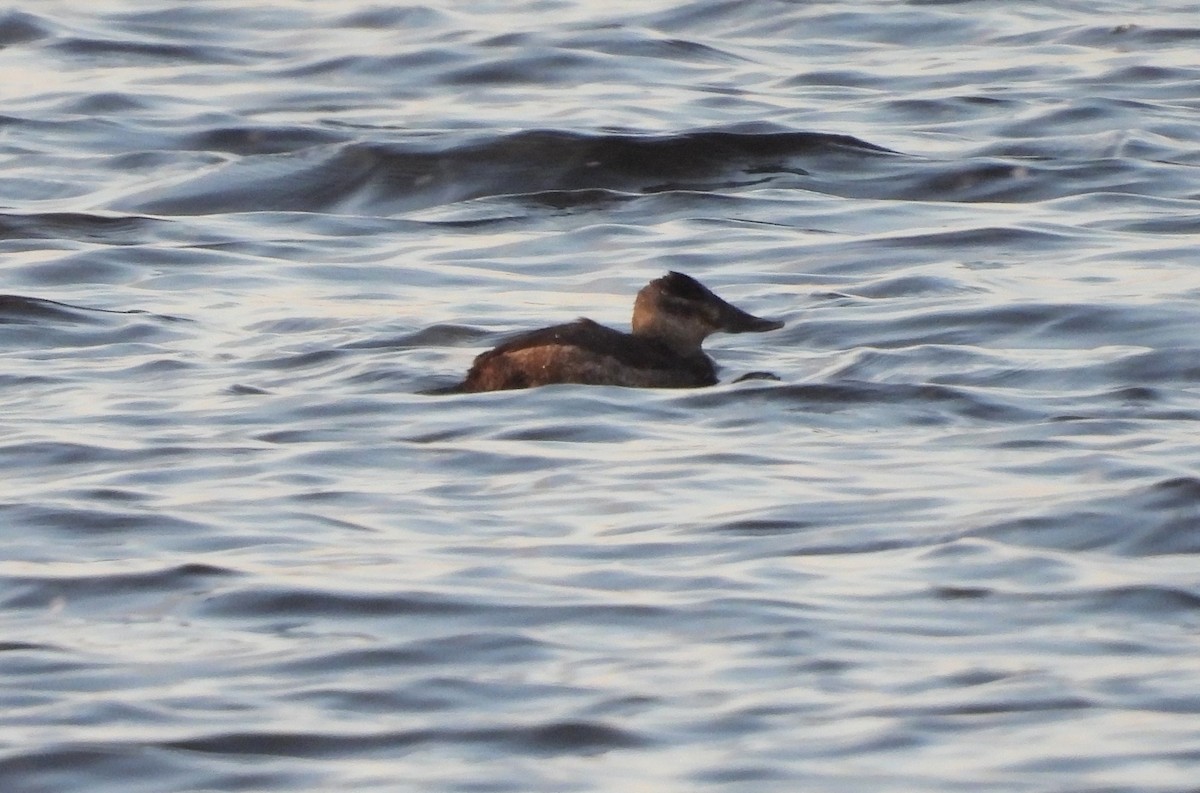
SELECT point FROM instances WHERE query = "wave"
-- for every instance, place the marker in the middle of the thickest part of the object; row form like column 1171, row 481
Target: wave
column 425, row 172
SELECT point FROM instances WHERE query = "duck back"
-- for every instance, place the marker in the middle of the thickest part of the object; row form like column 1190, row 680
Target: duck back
column 586, row 353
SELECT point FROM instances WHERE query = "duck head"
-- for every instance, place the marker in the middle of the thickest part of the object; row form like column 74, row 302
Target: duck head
column 682, row 312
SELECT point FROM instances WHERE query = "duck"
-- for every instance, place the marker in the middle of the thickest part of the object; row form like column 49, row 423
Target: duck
column 672, row 316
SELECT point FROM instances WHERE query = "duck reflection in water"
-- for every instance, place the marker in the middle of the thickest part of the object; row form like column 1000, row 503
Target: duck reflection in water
column 671, row 318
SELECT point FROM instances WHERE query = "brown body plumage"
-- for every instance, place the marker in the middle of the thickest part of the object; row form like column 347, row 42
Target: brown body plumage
column 671, row 318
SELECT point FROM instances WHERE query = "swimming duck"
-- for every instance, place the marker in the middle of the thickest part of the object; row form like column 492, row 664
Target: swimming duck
column 671, row 318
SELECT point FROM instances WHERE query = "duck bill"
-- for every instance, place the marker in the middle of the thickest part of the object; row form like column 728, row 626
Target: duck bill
column 734, row 320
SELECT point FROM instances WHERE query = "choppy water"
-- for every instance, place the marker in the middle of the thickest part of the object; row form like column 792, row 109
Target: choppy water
column 954, row 548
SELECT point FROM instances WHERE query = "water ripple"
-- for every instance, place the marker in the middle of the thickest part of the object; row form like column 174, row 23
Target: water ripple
column 250, row 550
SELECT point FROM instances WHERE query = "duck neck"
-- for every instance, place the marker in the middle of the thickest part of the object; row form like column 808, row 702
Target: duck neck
column 682, row 337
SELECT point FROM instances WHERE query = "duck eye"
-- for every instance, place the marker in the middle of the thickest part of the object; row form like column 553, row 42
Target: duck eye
column 677, row 304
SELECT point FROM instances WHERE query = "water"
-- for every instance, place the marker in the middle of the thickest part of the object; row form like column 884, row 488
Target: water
column 953, row 548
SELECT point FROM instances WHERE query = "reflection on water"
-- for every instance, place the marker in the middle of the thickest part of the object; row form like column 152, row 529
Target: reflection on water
column 952, row 547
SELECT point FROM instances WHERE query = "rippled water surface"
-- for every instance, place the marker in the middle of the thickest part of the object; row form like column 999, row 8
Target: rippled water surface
column 954, row 547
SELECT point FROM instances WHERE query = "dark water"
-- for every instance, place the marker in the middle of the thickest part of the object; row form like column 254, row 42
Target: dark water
column 954, row 548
